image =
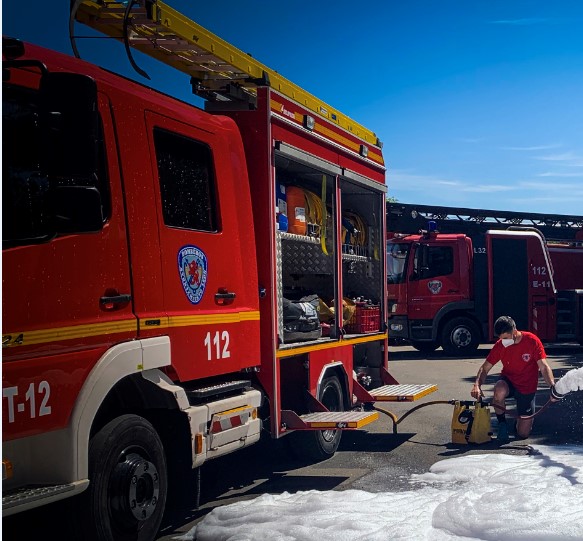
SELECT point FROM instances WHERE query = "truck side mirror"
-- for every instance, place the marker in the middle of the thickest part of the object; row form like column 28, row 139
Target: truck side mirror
column 69, row 125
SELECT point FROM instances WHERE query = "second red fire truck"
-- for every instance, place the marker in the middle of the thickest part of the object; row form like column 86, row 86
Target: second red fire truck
column 452, row 271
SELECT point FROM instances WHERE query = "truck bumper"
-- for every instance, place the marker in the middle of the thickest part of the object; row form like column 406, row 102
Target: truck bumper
column 421, row 330
column 398, row 327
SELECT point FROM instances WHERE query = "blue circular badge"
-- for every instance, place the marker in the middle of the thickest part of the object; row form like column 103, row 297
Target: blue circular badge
column 193, row 270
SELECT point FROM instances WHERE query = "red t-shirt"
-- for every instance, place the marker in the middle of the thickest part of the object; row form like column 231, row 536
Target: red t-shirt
column 519, row 361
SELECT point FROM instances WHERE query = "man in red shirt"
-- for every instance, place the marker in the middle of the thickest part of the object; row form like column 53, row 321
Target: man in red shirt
column 522, row 355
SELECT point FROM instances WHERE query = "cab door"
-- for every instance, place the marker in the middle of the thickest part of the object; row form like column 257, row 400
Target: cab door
column 434, row 280
column 66, row 298
column 207, row 252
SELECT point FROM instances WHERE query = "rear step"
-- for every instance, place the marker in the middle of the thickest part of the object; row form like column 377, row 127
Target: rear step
column 328, row 420
column 402, row 393
column 339, row 419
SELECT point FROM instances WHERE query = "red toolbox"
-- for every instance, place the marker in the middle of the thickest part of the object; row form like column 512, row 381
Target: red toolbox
column 366, row 318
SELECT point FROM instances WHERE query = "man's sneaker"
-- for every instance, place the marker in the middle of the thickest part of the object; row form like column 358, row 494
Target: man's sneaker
column 503, row 433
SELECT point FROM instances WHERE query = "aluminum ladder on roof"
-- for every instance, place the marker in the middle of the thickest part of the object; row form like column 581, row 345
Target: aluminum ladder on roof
column 410, row 218
column 220, row 70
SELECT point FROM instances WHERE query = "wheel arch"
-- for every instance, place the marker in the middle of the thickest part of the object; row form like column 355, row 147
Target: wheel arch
column 335, row 369
column 313, row 444
column 452, row 310
column 127, row 379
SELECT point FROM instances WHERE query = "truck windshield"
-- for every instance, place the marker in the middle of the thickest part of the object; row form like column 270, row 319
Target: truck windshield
column 396, row 262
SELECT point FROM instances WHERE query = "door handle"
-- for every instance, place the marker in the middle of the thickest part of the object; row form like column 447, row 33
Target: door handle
column 223, row 296
column 110, row 302
column 453, row 290
column 228, row 295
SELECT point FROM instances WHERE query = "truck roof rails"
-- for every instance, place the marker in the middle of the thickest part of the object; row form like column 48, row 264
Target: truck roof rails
column 410, row 218
column 218, row 70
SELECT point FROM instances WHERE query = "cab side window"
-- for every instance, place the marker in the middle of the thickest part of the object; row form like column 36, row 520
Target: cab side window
column 28, row 215
column 24, row 188
column 440, row 259
column 187, row 182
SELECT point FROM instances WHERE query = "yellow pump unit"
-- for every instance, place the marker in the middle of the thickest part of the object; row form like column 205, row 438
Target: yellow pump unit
column 470, row 422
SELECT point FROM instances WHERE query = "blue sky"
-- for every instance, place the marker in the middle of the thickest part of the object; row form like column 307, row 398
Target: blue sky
column 479, row 103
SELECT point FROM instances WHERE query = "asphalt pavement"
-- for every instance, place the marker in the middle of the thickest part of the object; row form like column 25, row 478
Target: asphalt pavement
column 374, row 459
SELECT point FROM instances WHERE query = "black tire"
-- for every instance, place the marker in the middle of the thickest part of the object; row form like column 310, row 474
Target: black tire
column 425, row 347
column 460, row 336
column 128, row 483
column 320, row 445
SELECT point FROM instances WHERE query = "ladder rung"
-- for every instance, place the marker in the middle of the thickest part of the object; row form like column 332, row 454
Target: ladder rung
column 402, row 393
column 326, row 420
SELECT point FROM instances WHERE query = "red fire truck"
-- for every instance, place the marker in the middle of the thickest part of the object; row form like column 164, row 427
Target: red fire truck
column 452, row 271
column 148, row 271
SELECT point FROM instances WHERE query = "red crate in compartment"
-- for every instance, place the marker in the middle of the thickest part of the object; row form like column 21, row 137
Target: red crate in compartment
column 366, row 318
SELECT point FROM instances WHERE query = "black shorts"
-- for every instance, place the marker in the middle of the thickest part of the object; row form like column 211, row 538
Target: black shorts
column 524, row 402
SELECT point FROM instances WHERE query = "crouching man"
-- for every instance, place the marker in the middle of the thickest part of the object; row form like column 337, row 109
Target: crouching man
column 522, row 355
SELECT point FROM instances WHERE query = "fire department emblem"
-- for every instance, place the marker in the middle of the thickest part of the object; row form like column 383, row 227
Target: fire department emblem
column 193, row 270
column 434, row 286
column 526, row 357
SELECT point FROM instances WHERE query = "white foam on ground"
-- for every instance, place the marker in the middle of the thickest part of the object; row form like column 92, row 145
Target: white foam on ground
column 570, row 382
column 490, row 497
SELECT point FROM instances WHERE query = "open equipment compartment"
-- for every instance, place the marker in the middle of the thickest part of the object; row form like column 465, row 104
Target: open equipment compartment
column 362, row 264
column 325, row 249
column 307, row 266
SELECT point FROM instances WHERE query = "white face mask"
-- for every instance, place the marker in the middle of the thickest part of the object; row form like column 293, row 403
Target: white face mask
column 507, row 342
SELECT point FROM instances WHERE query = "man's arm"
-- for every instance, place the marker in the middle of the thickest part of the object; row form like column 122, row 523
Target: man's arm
column 547, row 374
column 480, row 378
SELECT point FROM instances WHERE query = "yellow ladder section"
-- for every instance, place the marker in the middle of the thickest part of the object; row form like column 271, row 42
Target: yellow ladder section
column 161, row 32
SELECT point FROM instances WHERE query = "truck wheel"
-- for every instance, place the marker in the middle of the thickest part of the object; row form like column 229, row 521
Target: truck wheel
column 460, row 336
column 425, row 347
column 128, row 482
column 318, row 445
